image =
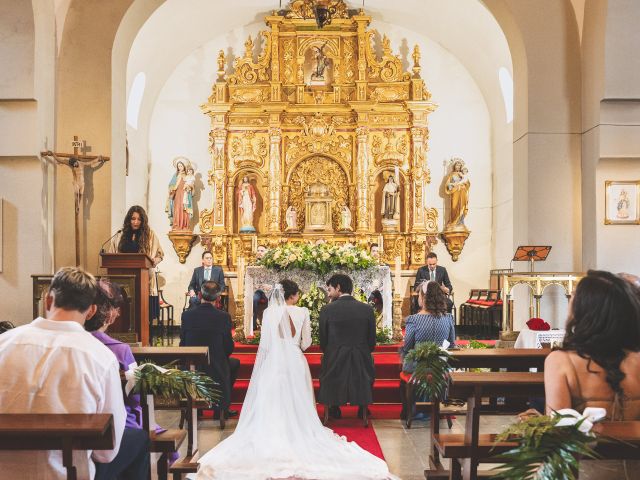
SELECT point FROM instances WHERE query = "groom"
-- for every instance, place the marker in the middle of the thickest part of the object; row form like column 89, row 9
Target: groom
column 347, row 338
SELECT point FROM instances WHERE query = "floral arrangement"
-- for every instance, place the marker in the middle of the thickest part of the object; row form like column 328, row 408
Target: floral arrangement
column 321, row 258
column 431, row 375
column 549, row 447
column 313, row 300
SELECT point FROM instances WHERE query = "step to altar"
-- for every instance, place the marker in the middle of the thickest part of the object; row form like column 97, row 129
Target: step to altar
column 253, row 348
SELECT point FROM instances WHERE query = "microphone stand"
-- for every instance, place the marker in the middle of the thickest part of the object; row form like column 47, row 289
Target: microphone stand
column 108, row 240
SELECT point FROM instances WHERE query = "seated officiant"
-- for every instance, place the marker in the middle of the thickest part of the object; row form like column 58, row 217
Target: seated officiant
column 207, row 326
column 437, row 273
column 206, row 272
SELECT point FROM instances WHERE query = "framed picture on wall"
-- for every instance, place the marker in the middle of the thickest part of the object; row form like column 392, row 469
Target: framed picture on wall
column 622, row 202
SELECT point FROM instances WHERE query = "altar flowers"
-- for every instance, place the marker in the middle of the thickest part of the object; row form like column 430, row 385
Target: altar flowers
column 322, row 258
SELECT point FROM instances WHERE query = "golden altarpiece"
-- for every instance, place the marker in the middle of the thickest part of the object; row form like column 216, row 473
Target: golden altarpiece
column 319, row 115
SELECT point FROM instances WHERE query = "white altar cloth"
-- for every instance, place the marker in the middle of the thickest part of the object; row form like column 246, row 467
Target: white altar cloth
column 369, row 280
column 535, row 338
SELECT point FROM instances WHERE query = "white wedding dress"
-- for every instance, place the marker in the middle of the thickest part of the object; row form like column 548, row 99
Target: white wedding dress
column 279, row 434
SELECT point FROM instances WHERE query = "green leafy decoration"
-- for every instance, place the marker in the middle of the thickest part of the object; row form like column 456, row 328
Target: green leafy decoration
column 545, row 451
column 476, row 344
column 321, row 259
column 174, row 383
column 431, row 375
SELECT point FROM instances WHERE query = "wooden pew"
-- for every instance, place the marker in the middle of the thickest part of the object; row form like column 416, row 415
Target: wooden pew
column 169, row 441
column 57, row 431
column 468, row 449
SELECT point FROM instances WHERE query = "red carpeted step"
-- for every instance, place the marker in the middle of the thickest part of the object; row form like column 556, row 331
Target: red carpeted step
column 384, row 391
column 387, row 364
column 250, row 348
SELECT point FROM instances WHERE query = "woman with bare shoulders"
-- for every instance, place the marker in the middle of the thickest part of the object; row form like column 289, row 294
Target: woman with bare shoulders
column 599, row 362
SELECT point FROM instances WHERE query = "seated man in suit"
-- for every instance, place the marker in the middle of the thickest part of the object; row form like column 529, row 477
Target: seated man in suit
column 206, row 326
column 203, row 274
column 433, row 271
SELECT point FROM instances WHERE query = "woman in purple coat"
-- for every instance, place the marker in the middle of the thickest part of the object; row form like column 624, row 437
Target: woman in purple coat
column 109, row 300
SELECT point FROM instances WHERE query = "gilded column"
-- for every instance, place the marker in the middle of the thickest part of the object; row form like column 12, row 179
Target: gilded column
column 362, row 168
column 421, row 177
column 275, row 181
column 276, row 82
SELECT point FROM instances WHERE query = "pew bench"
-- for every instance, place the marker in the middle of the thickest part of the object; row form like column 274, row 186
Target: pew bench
column 467, row 450
column 57, row 431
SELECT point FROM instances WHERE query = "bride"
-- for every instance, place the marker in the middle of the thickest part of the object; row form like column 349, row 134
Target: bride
column 279, row 434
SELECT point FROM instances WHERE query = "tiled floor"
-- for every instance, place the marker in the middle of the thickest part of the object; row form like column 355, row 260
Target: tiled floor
column 406, row 451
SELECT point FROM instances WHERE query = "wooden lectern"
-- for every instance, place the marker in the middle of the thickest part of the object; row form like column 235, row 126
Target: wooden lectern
column 137, row 264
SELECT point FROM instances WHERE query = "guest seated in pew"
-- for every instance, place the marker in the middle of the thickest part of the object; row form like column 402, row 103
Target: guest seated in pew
column 432, row 323
column 109, row 300
column 599, row 362
column 52, row 365
column 206, row 326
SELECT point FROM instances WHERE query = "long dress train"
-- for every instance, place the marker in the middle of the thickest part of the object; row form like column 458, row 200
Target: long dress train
column 279, row 434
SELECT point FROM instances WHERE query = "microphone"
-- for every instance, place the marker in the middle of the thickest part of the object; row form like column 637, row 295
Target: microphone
column 108, row 240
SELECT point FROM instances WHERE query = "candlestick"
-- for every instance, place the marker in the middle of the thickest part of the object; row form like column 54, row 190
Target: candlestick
column 397, row 275
column 254, row 244
column 381, row 245
column 240, row 276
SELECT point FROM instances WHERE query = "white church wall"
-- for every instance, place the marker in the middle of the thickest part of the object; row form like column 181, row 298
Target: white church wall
column 460, row 127
column 24, row 241
column 617, row 244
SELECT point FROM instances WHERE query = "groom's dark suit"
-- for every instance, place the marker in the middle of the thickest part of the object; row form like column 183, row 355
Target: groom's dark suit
column 347, row 338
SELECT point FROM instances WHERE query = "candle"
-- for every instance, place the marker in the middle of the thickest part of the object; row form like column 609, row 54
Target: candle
column 397, row 275
column 240, row 276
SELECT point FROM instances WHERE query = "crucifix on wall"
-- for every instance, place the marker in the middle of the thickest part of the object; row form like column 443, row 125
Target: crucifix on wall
column 77, row 162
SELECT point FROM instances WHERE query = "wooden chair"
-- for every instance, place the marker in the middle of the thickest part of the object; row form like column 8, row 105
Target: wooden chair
column 165, row 317
column 407, row 394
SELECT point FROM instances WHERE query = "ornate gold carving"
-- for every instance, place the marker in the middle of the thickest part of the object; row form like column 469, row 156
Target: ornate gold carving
column 237, row 121
column 289, row 61
column 319, row 137
column 416, row 61
column 248, row 149
column 182, row 243
column 248, row 72
column 249, row 95
column 319, row 170
column 389, row 68
column 221, row 64
column 389, row 148
column 349, row 54
column 454, row 240
column 304, row 9
column 390, row 93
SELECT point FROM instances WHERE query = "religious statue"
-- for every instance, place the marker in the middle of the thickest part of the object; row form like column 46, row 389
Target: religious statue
column 321, row 64
column 291, row 219
column 179, row 205
column 457, row 187
column 246, row 197
column 345, row 219
column 390, row 200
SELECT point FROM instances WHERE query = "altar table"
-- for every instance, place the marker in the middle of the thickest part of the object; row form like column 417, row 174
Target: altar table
column 369, row 280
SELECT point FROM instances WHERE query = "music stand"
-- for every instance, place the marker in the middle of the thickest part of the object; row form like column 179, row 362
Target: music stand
column 531, row 254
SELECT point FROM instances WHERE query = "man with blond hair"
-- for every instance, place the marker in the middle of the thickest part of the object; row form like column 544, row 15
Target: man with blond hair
column 52, row 365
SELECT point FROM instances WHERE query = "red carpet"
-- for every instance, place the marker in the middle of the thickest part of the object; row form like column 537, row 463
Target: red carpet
column 352, row 429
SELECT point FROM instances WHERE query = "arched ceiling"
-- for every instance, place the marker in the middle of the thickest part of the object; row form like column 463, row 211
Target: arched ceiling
column 464, row 27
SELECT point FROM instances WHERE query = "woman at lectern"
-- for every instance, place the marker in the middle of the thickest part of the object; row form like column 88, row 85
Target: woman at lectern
column 136, row 237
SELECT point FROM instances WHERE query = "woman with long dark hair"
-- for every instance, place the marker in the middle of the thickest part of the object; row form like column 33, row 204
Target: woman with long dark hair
column 137, row 237
column 599, row 362
column 433, row 323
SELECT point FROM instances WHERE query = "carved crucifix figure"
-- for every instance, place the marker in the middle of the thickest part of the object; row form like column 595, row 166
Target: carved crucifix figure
column 77, row 162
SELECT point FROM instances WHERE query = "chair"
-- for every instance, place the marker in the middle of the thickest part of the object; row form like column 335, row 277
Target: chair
column 407, row 394
column 165, row 317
